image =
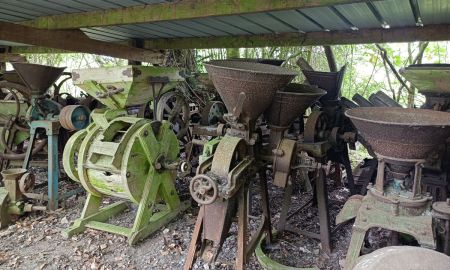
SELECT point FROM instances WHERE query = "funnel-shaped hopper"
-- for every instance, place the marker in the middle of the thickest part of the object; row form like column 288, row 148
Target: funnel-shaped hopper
column 38, row 78
column 259, row 83
column 401, row 133
column 328, row 81
column 429, row 79
column 121, row 87
column 291, row 102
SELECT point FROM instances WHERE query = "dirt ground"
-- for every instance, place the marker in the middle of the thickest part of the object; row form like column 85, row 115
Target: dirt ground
column 35, row 241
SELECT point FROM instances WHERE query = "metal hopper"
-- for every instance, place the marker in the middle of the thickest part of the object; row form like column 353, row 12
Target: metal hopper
column 121, row 87
column 429, row 79
column 38, row 78
column 292, row 102
column 253, row 84
column 401, row 133
column 328, row 81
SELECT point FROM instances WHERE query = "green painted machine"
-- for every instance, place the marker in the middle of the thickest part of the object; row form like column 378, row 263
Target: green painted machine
column 125, row 156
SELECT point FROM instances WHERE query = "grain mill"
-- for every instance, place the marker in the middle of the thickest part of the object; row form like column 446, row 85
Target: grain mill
column 124, row 156
column 223, row 179
column 403, row 140
column 41, row 122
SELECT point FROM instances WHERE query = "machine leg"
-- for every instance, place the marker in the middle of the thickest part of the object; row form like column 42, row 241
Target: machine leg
column 285, row 207
column 146, row 222
column 241, row 257
column 195, row 240
column 26, row 161
column 92, row 212
column 53, row 171
column 265, row 206
column 324, row 216
column 354, row 248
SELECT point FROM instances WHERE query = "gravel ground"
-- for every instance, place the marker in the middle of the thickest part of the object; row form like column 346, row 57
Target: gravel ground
column 35, row 240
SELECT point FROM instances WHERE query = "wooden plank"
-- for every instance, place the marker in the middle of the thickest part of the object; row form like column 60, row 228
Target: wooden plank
column 173, row 10
column 76, row 41
column 363, row 36
column 12, row 57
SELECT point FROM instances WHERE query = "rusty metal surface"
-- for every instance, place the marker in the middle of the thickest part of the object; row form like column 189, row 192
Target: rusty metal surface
column 259, row 82
column 329, row 81
column 38, row 78
column 401, row 133
column 291, row 102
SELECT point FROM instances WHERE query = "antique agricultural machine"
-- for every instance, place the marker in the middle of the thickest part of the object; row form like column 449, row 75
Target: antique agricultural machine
column 257, row 95
column 124, row 154
column 402, row 140
column 33, row 121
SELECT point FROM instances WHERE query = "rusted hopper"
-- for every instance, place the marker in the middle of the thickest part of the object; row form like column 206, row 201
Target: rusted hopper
column 247, row 88
column 401, row 133
column 38, row 78
column 329, row 81
column 291, row 102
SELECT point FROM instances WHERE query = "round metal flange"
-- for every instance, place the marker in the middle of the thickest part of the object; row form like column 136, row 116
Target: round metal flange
column 203, row 189
column 173, row 108
column 442, row 209
column 213, row 113
column 26, row 182
column 74, row 117
column 315, row 127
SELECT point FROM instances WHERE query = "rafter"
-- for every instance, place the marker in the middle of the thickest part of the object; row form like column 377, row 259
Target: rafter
column 76, row 41
column 178, row 10
column 376, row 35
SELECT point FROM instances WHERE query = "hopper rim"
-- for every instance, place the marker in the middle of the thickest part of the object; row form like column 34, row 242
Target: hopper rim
column 349, row 114
column 283, row 71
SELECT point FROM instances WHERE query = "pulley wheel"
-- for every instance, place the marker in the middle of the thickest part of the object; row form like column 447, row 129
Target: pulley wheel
column 203, row 189
column 316, row 127
column 213, row 113
column 173, row 107
column 74, row 117
column 26, row 182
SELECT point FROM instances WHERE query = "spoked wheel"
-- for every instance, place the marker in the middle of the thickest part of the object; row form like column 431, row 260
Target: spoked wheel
column 173, row 108
column 316, row 127
column 213, row 113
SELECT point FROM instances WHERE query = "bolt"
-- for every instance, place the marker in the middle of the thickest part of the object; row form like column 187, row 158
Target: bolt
column 158, row 166
column 146, row 133
column 128, row 174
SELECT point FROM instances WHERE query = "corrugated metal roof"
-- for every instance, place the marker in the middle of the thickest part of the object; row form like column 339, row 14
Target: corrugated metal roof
column 387, row 13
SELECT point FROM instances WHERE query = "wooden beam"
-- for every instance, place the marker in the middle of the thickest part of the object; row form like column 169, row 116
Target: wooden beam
column 374, row 35
column 36, row 50
column 173, row 10
column 76, row 41
column 11, row 57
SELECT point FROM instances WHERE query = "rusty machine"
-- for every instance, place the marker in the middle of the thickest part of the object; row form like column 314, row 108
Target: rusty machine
column 124, row 154
column 32, row 123
column 403, row 140
column 223, row 178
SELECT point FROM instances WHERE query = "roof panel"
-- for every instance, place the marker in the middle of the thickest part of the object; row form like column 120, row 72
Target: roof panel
column 434, row 11
column 58, row 6
column 178, row 26
column 397, row 13
column 20, row 6
column 170, row 33
column 224, row 27
column 243, row 24
column 359, row 14
column 270, row 23
column 297, row 20
column 326, row 17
